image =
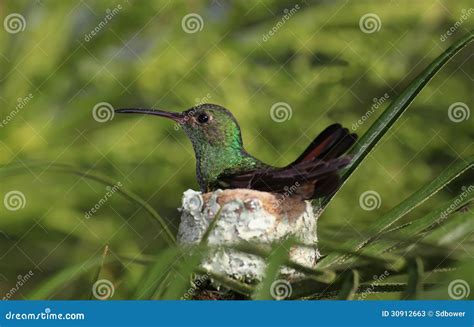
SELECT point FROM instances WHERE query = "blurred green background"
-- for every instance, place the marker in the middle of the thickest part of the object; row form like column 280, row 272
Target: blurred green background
column 319, row 61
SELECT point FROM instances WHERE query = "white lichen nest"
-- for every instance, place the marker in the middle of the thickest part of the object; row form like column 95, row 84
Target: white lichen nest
column 247, row 216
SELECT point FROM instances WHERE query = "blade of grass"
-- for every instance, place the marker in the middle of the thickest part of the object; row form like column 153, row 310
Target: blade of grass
column 309, row 289
column 458, row 227
column 97, row 275
column 323, row 276
column 396, row 108
column 402, row 209
column 410, row 233
column 350, row 286
column 415, row 280
column 229, row 283
column 278, row 256
column 182, row 276
column 392, row 261
column 211, row 226
column 56, row 167
column 156, row 273
column 64, row 277
column 397, row 228
column 320, row 275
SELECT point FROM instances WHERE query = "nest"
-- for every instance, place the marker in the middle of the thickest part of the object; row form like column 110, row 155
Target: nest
column 247, row 216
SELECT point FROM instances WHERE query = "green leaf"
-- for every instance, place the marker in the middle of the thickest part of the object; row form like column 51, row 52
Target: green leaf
column 229, row 283
column 387, row 260
column 381, row 288
column 309, row 289
column 277, row 258
column 422, row 225
column 156, row 273
column 65, row 277
column 397, row 107
column 320, row 275
column 458, row 227
column 211, row 227
column 415, row 280
column 181, row 279
column 99, row 270
column 350, row 286
column 402, row 209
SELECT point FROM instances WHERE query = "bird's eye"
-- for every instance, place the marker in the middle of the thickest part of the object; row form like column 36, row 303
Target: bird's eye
column 203, row 118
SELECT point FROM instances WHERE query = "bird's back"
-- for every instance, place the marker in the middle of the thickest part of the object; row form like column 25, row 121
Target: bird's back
column 314, row 174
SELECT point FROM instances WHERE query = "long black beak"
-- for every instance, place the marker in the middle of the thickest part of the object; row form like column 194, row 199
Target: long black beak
column 176, row 116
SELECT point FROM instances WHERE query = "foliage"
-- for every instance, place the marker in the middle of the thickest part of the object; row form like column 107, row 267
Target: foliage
column 56, row 154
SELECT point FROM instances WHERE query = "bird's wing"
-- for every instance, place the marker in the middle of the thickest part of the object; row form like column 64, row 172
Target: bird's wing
column 308, row 179
column 330, row 143
column 314, row 174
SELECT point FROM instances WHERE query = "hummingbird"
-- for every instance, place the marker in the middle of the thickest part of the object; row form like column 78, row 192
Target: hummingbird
column 223, row 163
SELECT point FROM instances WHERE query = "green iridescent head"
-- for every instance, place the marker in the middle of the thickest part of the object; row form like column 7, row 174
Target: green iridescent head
column 208, row 126
column 212, row 125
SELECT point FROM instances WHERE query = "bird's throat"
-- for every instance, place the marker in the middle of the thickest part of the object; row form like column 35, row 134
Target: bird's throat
column 212, row 162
